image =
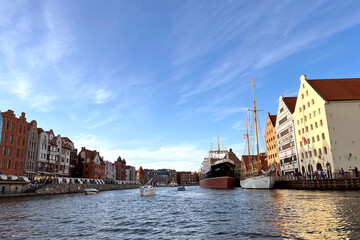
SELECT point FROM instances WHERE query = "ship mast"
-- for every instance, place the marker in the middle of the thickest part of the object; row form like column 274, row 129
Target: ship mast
column 247, row 136
column 256, row 130
column 218, row 141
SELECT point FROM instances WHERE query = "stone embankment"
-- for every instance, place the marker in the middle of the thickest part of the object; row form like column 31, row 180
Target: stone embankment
column 63, row 188
column 320, row 184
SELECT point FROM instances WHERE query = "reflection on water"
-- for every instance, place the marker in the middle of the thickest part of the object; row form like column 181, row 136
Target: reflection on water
column 195, row 213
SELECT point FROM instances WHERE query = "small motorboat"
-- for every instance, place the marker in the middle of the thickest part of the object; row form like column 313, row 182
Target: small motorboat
column 181, row 188
column 147, row 190
column 90, row 191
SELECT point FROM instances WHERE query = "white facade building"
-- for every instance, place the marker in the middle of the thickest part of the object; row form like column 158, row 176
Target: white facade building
column 285, row 132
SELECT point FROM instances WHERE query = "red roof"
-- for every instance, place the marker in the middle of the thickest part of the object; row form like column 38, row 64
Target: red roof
column 66, row 139
column 337, row 89
column 290, row 103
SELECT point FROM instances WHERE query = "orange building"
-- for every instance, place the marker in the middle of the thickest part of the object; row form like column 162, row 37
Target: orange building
column 272, row 151
column 13, row 144
column 140, row 175
column 93, row 164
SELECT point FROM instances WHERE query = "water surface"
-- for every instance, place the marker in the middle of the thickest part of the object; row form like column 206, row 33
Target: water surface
column 195, row 213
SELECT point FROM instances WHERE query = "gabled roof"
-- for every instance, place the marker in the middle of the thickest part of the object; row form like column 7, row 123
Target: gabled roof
column 66, row 139
column 337, row 89
column 290, row 102
column 273, row 119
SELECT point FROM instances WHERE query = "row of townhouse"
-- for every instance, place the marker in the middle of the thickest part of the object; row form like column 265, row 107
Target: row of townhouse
column 318, row 129
column 27, row 150
column 165, row 176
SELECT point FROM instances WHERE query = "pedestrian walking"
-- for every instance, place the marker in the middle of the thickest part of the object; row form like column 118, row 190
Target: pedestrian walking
column 351, row 172
column 356, row 172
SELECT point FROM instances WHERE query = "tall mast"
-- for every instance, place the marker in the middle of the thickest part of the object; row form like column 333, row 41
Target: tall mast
column 218, row 141
column 256, row 130
column 247, row 136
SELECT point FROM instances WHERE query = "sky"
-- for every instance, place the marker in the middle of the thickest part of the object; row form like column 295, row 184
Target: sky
column 155, row 81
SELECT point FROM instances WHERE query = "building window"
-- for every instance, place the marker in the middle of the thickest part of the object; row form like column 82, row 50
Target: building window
column 4, row 150
column 325, row 150
column 318, row 138
column 300, row 143
column 20, row 128
column 303, row 131
column 319, row 111
column 8, row 164
column 12, row 126
column 306, row 154
column 301, row 120
column 303, row 85
column 310, row 116
column 305, row 118
column 315, row 152
column 9, row 151
column 321, row 123
column 311, row 127
column 310, row 154
column 312, row 101
column 323, row 136
column 303, row 107
column 302, row 96
column 299, row 109
column 314, row 113
column 316, row 125
column 308, row 104
column 11, row 138
column 299, row 132
column 7, row 125
column 307, row 129
column 313, row 140
column 307, row 93
column 320, row 151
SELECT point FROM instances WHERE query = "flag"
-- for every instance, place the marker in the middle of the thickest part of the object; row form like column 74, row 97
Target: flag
column 303, row 138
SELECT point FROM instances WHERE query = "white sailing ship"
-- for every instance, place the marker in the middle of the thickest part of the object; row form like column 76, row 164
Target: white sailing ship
column 257, row 179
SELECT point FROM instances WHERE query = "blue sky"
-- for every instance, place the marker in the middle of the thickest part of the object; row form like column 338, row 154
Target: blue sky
column 154, row 81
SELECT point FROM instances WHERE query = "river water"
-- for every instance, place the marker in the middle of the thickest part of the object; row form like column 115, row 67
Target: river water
column 196, row 213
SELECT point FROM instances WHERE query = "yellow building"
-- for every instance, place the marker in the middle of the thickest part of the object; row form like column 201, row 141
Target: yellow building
column 271, row 142
column 326, row 119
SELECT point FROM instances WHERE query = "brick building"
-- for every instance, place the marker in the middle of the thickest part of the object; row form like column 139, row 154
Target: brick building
column 31, row 153
column 120, row 166
column 13, row 143
column 93, row 164
column 184, row 177
column 249, row 165
column 271, row 142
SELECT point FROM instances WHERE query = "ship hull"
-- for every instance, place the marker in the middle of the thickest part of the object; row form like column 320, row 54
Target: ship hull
column 258, row 182
column 221, row 176
column 218, row 183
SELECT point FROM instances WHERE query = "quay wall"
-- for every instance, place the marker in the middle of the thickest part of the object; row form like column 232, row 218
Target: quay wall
column 319, row 184
column 79, row 188
column 62, row 188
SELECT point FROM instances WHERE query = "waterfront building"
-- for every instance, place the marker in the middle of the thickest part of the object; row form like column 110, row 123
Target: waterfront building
column 151, row 174
column 140, row 175
column 66, row 147
column 194, row 177
column 172, row 177
column 184, row 177
column 42, row 151
column 93, row 164
column 13, row 143
column 110, row 170
column 232, row 156
column 162, row 176
column 32, row 142
column 286, row 137
column 1, row 125
column 53, row 153
column 130, row 173
column 271, row 142
column 249, row 163
column 326, row 121
column 120, row 166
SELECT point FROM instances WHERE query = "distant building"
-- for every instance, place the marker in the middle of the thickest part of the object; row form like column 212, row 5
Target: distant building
column 54, row 152
column 151, row 174
column 140, row 175
column 120, row 166
column 42, row 151
column 93, row 164
column 13, row 143
column 194, row 177
column 184, row 178
column 110, row 170
column 271, row 142
column 32, row 142
column 232, row 156
column 130, row 173
column 172, row 177
column 286, row 138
